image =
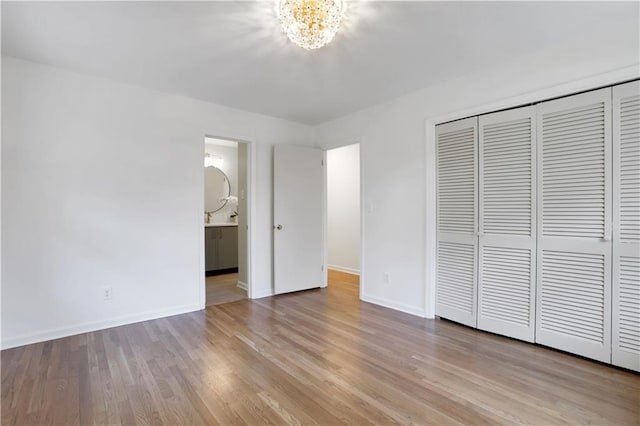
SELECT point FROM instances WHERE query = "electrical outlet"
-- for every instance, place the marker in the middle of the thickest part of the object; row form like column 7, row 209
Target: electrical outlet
column 387, row 278
column 107, row 293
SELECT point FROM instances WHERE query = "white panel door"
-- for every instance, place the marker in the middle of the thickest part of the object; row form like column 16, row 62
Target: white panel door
column 573, row 311
column 507, row 231
column 456, row 284
column 298, row 214
column 625, row 350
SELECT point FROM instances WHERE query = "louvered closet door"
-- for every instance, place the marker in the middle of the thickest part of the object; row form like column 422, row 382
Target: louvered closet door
column 457, row 218
column 626, row 226
column 506, row 286
column 574, row 224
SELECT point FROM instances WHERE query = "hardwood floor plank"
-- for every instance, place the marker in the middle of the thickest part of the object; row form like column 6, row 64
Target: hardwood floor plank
column 223, row 288
column 315, row 357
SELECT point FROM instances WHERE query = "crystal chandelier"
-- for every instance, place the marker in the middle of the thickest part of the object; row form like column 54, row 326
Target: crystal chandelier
column 310, row 23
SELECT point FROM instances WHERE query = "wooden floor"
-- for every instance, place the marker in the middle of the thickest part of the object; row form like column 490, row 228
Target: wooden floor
column 316, row 357
column 224, row 289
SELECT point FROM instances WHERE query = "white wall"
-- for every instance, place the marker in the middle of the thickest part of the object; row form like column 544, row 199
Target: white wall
column 102, row 185
column 394, row 171
column 85, row 202
column 343, row 208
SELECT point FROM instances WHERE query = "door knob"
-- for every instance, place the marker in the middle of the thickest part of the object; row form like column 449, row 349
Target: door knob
column 278, row 227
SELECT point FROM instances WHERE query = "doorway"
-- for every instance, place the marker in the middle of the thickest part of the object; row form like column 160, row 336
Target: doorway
column 344, row 253
column 225, row 220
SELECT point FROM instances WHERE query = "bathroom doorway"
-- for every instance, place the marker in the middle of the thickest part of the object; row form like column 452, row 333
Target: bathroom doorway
column 225, row 220
column 344, row 243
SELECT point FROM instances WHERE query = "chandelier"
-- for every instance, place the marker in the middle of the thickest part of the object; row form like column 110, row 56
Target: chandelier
column 310, row 23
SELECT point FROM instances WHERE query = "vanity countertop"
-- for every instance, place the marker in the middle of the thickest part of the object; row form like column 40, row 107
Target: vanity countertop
column 213, row 224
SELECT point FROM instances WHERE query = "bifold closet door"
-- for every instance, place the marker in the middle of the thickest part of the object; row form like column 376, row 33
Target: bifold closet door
column 456, row 147
column 626, row 226
column 573, row 311
column 507, row 231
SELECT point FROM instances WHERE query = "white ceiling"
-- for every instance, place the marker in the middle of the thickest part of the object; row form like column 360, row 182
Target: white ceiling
column 235, row 54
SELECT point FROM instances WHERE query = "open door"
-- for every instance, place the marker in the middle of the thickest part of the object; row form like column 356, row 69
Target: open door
column 298, row 215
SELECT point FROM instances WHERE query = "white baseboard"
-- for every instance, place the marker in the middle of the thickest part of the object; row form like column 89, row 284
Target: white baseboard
column 242, row 285
column 419, row 312
column 344, row 269
column 58, row 333
column 258, row 294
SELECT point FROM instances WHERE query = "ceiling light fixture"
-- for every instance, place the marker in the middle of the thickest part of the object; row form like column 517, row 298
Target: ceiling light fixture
column 310, row 23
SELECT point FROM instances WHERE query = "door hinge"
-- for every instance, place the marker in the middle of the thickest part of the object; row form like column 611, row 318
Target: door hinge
column 322, row 268
column 322, row 163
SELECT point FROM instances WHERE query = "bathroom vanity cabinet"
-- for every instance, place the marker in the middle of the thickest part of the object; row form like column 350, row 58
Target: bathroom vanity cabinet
column 221, row 247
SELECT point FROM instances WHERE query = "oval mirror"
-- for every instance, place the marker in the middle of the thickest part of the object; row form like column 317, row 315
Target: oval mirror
column 216, row 189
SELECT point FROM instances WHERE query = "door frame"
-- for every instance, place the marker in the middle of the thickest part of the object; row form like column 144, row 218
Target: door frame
column 251, row 205
column 430, row 123
column 348, row 142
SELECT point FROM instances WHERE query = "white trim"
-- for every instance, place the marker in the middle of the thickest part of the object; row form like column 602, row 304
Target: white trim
column 344, row 269
column 257, row 294
column 394, row 305
column 241, row 285
column 564, row 89
column 362, row 221
column 1, row 275
column 57, row 333
column 251, row 214
column 430, row 218
column 325, row 221
column 202, row 280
